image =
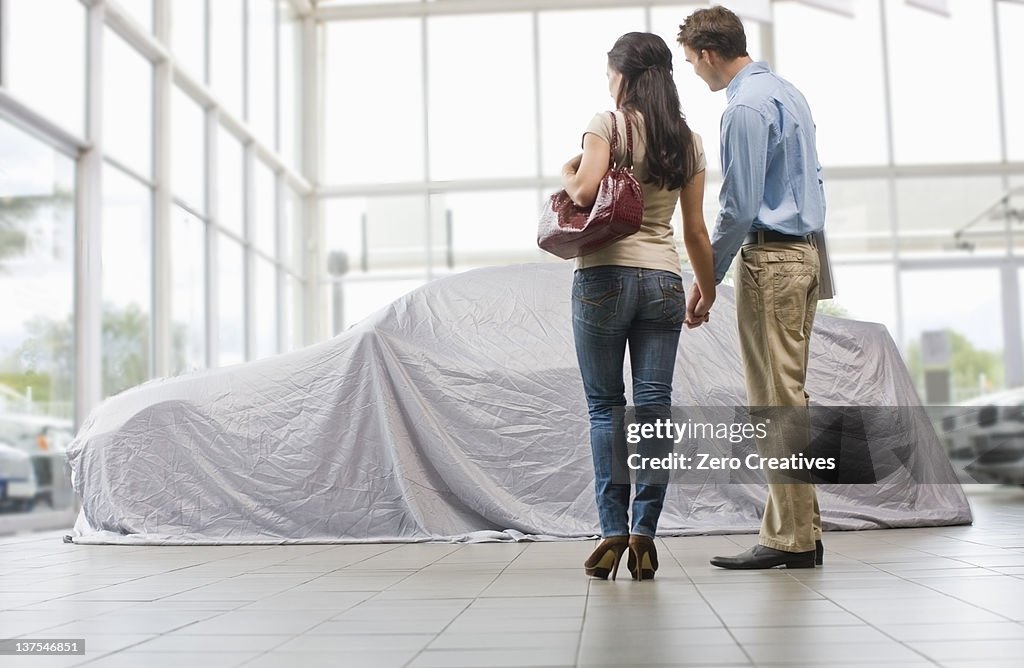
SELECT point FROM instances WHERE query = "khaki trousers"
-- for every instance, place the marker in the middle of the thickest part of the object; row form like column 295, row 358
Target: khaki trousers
column 776, row 299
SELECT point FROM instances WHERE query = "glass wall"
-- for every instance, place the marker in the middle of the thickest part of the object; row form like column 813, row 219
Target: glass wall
column 188, row 305
column 191, row 210
column 923, row 100
column 231, row 328
column 227, row 58
column 855, row 57
column 465, row 131
column 573, row 83
column 702, row 108
column 53, row 86
column 356, row 128
column 188, row 36
column 37, row 330
column 127, row 105
column 127, row 233
column 907, row 213
column 469, row 231
column 964, row 307
column 188, row 151
column 1010, row 19
column 224, row 274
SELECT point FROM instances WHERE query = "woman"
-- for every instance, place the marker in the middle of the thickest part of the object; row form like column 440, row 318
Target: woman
column 631, row 292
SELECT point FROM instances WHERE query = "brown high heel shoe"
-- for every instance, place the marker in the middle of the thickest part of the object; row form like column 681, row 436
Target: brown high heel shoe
column 643, row 557
column 605, row 559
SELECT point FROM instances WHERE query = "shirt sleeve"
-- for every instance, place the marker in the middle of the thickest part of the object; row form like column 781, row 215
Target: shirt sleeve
column 600, row 125
column 700, row 162
column 744, row 163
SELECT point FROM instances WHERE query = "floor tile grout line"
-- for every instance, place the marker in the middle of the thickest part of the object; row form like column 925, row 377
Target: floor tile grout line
column 215, row 614
column 750, row 659
column 294, row 635
column 877, row 628
column 948, row 595
column 824, row 596
column 475, row 598
column 875, row 572
column 350, row 607
column 583, row 619
column 452, row 621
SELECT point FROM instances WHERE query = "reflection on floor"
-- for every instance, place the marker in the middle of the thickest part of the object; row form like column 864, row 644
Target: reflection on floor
column 912, row 597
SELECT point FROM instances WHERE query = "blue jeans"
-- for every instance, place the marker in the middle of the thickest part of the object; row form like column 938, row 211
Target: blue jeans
column 613, row 307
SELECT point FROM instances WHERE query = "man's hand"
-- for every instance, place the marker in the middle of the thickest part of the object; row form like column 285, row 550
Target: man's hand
column 698, row 307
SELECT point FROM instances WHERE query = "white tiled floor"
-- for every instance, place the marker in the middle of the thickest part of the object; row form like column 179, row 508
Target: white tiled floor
column 950, row 596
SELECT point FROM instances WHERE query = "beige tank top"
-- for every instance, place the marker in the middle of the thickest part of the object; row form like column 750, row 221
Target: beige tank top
column 653, row 246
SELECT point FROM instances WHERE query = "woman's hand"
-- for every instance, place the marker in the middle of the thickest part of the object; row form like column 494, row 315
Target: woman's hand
column 698, row 307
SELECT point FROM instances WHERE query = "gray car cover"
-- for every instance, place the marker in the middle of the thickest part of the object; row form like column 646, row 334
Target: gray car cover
column 456, row 413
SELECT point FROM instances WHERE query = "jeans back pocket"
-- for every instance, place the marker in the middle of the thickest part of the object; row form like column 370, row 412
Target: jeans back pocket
column 595, row 301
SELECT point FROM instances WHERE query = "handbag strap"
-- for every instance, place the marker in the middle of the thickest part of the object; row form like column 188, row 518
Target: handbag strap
column 615, row 139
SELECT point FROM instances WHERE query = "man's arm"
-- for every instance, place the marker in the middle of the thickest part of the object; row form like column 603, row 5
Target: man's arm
column 744, row 163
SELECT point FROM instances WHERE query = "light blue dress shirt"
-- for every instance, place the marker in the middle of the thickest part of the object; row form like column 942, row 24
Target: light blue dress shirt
column 771, row 175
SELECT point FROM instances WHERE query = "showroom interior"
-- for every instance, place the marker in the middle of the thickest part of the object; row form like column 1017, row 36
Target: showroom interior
column 194, row 187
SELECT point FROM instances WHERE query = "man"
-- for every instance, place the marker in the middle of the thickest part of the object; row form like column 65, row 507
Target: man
column 772, row 201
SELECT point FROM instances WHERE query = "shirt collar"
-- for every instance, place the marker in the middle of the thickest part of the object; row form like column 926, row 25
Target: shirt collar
column 756, row 67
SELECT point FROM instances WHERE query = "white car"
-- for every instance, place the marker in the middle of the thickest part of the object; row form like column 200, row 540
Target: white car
column 35, row 433
column 989, row 432
column 18, row 487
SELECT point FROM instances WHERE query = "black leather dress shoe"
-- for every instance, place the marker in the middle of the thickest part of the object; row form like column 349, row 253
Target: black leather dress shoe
column 760, row 556
column 819, row 553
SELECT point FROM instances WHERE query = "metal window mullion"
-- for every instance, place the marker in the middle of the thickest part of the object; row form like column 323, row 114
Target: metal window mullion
column 891, row 180
column 302, row 7
column 212, row 242
column 958, row 263
column 246, row 36
column 277, row 77
column 146, row 43
column 766, row 31
column 249, row 258
column 88, row 313
column 163, row 316
column 425, row 79
column 1004, row 155
column 371, row 10
column 1013, row 353
column 188, row 207
column 24, row 117
column 282, row 318
column 207, row 44
column 1013, row 345
column 1000, row 92
column 205, row 97
column 310, row 54
column 538, row 111
column 5, row 49
column 130, row 172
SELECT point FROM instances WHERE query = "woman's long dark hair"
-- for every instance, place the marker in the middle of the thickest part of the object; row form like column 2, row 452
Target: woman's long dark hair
column 645, row 63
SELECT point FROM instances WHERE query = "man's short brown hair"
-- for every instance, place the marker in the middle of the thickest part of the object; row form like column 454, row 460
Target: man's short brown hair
column 716, row 29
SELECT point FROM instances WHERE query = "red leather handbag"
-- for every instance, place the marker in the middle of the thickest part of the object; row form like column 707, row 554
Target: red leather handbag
column 568, row 230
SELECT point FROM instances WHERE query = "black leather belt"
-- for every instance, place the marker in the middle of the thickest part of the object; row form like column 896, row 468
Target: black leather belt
column 768, row 236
